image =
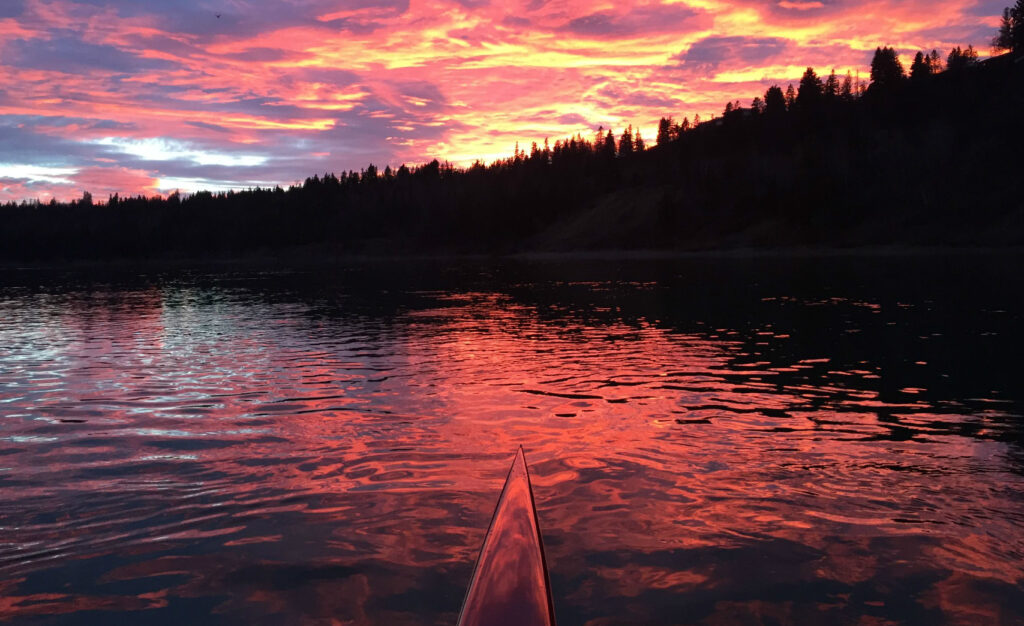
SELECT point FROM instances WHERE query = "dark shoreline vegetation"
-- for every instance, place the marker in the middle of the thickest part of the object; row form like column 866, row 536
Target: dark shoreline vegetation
column 929, row 159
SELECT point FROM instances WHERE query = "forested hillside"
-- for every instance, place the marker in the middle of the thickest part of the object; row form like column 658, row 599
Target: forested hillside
column 929, row 157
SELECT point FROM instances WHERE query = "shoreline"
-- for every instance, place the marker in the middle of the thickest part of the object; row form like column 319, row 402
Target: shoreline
column 315, row 257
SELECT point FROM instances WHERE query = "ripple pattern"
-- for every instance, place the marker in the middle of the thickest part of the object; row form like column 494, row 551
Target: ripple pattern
column 307, row 447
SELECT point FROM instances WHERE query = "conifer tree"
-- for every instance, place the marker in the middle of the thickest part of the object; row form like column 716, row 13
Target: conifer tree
column 960, row 59
column 790, row 97
column 1011, row 29
column 626, row 142
column 831, row 89
column 774, row 101
column 609, row 144
column 920, row 68
column 846, row 89
column 1003, row 38
column 886, row 69
column 809, row 96
column 665, row 125
column 1017, row 27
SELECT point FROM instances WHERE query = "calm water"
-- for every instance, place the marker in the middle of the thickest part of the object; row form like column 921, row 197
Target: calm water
column 711, row 441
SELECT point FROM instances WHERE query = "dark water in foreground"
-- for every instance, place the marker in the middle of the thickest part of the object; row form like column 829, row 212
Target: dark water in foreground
column 711, row 441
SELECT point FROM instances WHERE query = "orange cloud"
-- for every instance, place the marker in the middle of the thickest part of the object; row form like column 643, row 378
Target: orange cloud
column 324, row 86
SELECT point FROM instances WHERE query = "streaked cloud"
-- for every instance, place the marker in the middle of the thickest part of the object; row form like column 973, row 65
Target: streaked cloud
column 641, row 21
column 141, row 97
column 711, row 52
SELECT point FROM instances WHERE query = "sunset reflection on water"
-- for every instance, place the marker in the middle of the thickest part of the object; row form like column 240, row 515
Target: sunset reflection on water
column 801, row 442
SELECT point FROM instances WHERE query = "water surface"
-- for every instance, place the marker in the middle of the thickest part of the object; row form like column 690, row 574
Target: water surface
column 711, row 440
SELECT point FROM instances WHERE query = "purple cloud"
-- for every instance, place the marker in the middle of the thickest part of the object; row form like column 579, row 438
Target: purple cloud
column 71, row 55
column 709, row 53
column 656, row 19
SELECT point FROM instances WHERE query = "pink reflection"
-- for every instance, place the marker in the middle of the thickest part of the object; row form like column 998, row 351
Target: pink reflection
column 324, row 468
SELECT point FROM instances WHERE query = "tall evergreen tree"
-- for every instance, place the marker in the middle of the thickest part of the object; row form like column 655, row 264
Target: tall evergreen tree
column 959, row 59
column 774, row 101
column 665, row 125
column 626, row 142
column 790, row 97
column 1017, row 30
column 1003, row 39
column 1011, row 29
column 920, row 68
column 886, row 69
column 609, row 145
column 809, row 95
column 846, row 92
column 831, row 90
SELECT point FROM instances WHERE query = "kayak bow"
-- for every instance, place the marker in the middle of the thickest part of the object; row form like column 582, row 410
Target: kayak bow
column 510, row 582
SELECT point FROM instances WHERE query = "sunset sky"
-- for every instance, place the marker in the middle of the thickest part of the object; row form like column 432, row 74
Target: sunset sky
column 134, row 97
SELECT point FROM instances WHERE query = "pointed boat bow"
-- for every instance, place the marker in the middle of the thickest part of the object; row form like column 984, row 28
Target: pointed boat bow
column 510, row 582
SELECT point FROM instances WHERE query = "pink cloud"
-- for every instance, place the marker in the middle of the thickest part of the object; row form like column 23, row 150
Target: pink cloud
column 801, row 6
column 101, row 182
column 278, row 91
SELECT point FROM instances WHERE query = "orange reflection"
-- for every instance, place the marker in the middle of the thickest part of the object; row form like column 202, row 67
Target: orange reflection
column 264, row 455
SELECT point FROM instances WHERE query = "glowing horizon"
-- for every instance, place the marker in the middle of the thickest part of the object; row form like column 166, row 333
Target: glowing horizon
column 116, row 96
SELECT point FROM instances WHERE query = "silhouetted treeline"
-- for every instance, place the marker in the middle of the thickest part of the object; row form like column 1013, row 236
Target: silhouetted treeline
column 929, row 157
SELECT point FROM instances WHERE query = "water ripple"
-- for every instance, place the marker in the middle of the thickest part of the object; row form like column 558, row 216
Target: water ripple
column 290, row 447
